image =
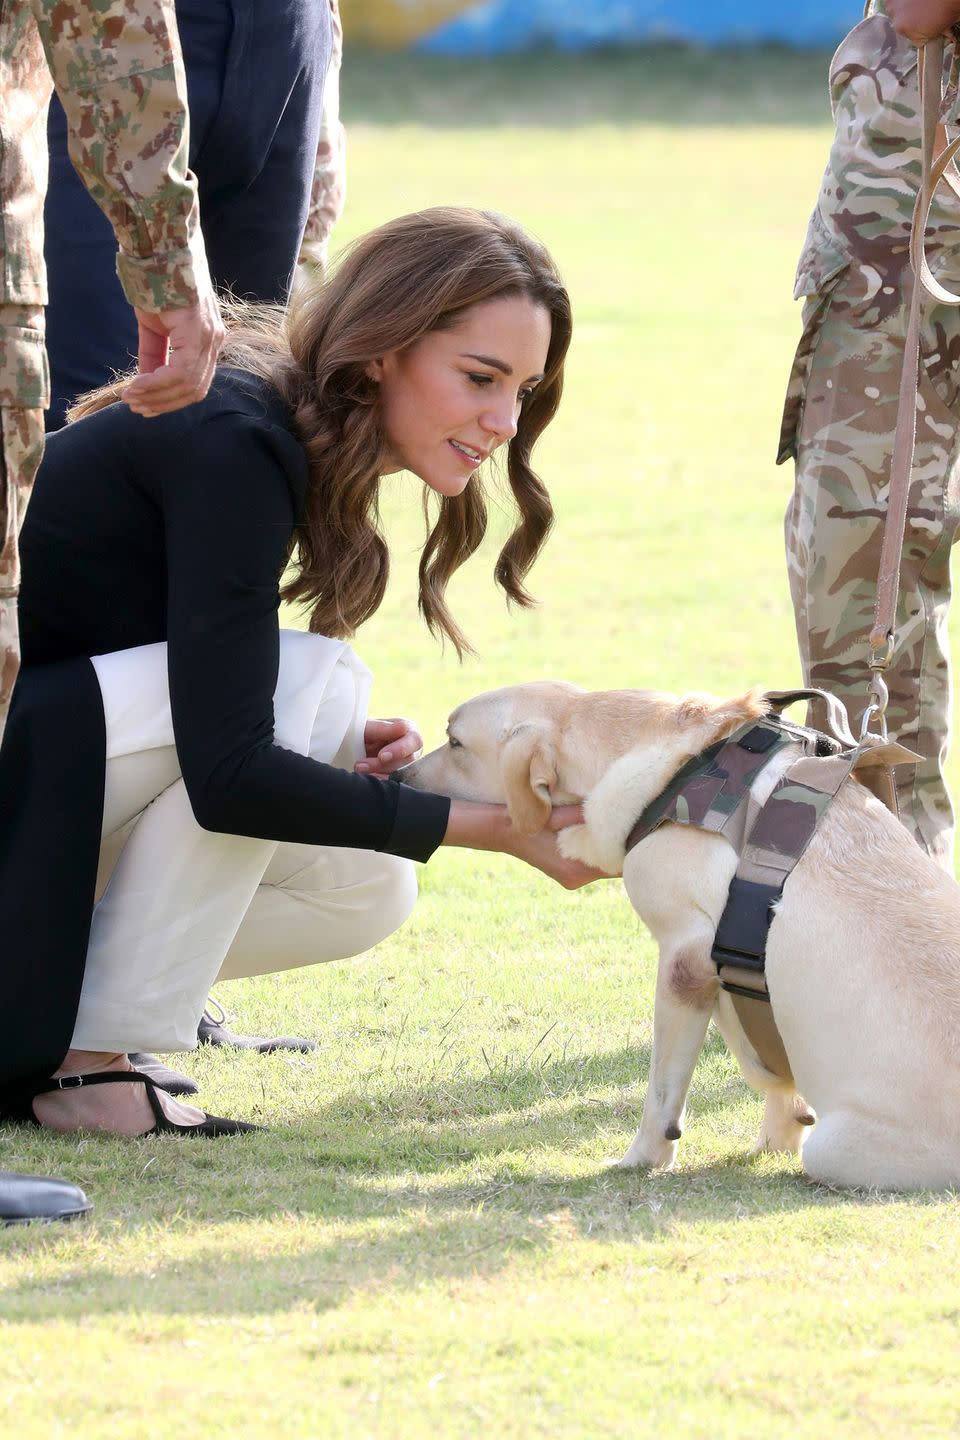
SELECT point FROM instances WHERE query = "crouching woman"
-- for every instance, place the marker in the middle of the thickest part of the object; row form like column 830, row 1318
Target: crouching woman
column 221, row 775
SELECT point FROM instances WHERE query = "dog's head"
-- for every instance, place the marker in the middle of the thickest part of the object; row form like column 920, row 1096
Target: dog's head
column 502, row 747
column 549, row 743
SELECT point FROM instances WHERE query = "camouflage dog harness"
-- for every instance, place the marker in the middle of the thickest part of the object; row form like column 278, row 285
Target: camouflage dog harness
column 713, row 791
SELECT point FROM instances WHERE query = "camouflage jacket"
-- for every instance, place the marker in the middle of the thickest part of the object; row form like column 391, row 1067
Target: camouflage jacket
column 117, row 68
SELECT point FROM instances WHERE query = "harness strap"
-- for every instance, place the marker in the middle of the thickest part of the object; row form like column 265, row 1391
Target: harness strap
column 778, row 838
column 713, row 791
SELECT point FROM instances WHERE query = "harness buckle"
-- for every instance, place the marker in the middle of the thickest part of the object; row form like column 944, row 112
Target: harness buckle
column 741, row 937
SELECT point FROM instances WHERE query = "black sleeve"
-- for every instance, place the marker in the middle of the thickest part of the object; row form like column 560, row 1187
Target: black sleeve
column 228, row 517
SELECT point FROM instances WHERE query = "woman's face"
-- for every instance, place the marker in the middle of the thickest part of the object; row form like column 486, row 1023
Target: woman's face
column 450, row 399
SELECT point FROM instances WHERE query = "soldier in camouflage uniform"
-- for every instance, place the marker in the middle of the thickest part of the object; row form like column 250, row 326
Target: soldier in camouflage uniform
column 841, row 408
column 116, row 67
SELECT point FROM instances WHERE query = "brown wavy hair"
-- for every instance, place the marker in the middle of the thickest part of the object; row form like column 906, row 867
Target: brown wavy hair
column 413, row 275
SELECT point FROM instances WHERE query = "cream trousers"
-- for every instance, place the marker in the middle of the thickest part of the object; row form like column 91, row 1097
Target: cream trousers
column 180, row 907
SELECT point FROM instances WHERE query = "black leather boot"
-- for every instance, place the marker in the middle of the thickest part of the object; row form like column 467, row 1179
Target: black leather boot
column 38, row 1197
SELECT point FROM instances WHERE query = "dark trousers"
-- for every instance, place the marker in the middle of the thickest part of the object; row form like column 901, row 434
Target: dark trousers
column 255, row 73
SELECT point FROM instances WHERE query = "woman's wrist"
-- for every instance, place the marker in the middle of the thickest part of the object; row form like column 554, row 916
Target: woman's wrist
column 475, row 825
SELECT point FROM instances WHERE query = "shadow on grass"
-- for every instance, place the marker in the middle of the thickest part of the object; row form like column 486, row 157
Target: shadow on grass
column 672, row 85
column 419, row 1185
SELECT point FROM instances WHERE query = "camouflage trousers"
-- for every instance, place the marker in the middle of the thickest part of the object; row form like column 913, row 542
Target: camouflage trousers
column 840, row 425
column 22, row 375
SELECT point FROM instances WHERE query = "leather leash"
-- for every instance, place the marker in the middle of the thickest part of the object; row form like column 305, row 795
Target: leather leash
column 882, row 641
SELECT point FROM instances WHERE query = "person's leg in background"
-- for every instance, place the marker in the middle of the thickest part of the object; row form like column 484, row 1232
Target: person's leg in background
column 23, row 1198
column 79, row 245
column 21, row 447
column 256, row 171
column 834, row 531
column 841, row 408
column 254, row 164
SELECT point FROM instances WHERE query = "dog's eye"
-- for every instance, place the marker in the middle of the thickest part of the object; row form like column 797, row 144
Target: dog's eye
column 454, row 744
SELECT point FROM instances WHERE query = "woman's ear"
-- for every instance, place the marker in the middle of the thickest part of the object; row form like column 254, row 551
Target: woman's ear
column 374, row 369
column 528, row 768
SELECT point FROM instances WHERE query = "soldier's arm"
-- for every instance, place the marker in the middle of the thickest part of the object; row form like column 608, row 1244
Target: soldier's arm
column 118, row 71
column 923, row 20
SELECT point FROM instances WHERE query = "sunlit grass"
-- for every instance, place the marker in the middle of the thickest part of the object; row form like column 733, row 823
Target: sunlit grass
column 426, row 1240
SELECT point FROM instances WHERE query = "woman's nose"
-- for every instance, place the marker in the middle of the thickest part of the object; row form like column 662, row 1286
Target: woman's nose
column 501, row 420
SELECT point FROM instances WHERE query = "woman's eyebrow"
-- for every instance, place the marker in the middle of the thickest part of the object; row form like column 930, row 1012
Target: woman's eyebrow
column 500, row 365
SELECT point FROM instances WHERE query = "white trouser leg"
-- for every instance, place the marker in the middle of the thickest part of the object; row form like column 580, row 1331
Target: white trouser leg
column 319, row 903
column 178, row 894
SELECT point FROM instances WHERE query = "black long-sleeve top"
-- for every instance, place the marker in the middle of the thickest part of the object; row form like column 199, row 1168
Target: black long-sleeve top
column 176, row 528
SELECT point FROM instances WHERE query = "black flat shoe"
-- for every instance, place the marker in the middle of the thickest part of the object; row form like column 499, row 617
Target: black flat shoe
column 170, row 1080
column 40, row 1198
column 211, row 1126
column 212, row 1031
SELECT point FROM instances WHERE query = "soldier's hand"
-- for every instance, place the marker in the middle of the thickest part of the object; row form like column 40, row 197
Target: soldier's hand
column 923, row 20
column 177, row 356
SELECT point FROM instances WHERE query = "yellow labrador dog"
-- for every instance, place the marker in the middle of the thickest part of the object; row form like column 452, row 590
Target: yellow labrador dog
column 863, row 961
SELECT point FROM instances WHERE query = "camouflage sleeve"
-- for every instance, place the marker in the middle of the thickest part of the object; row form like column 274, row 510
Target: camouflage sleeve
column 118, row 71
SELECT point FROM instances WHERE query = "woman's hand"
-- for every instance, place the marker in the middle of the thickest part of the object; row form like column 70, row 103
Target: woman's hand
column 922, row 20
column 388, row 745
column 474, row 826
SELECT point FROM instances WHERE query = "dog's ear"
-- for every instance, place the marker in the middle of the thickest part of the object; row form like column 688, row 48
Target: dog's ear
column 528, row 767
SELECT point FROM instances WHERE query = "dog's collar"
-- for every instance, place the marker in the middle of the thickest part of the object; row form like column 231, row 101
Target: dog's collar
column 712, row 789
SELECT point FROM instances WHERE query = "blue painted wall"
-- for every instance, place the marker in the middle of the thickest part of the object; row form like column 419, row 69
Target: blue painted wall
column 492, row 27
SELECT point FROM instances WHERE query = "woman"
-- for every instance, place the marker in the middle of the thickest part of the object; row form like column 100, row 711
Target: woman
column 211, row 752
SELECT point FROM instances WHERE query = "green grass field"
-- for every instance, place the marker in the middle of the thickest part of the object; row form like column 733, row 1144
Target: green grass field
column 425, row 1243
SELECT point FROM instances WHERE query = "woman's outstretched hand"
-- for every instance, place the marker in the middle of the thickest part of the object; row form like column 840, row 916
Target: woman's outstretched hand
column 388, row 744
column 476, row 826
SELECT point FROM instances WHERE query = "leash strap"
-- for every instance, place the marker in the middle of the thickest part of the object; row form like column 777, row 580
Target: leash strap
column 930, row 69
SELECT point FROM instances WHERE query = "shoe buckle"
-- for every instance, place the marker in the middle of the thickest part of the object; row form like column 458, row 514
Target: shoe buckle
column 69, row 1082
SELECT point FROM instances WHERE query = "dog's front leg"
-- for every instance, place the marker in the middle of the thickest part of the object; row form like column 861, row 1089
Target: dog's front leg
column 686, row 990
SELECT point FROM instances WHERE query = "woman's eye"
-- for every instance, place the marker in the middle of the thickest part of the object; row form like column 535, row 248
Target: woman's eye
column 454, row 744
column 525, row 394
column 478, row 379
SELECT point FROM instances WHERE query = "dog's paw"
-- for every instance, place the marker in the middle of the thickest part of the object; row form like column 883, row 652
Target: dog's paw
column 574, row 843
column 577, row 843
column 786, row 1119
column 644, row 1156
